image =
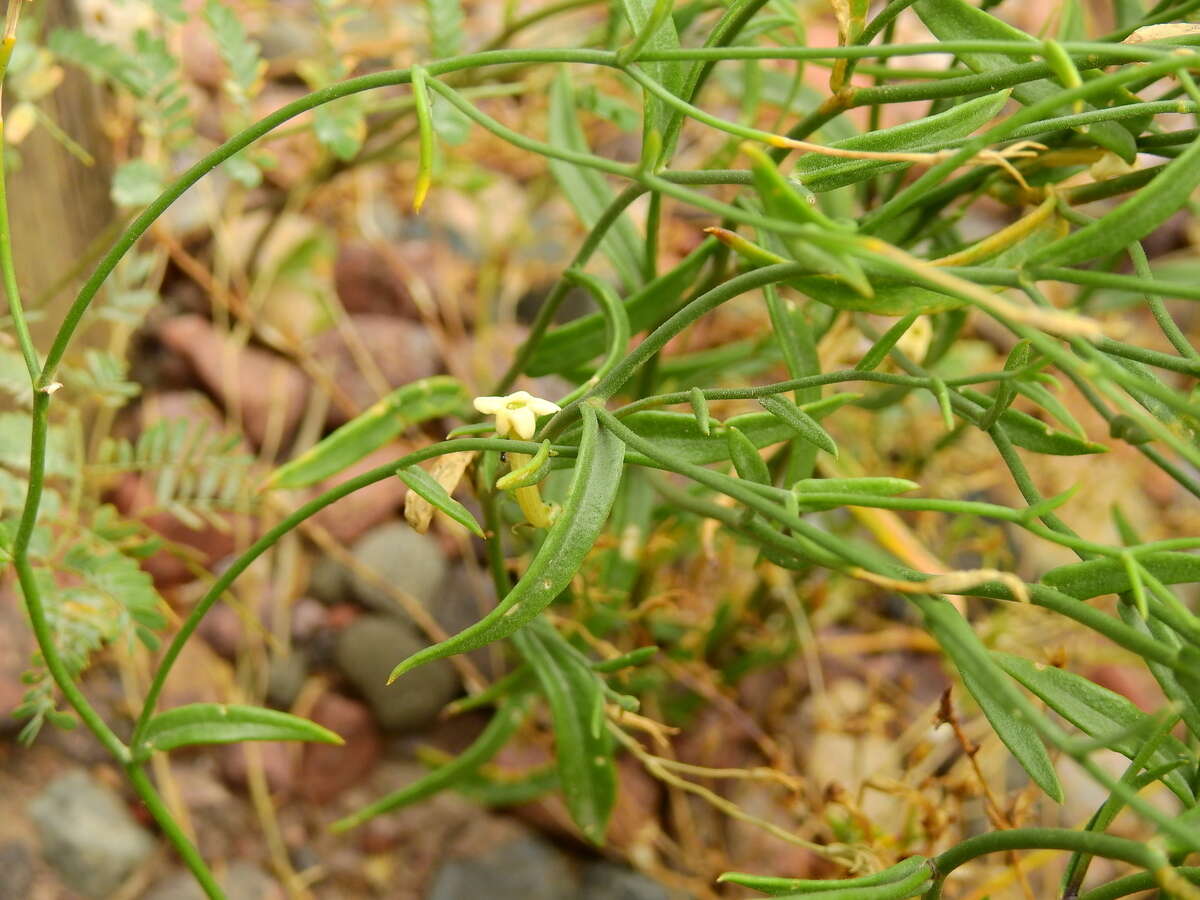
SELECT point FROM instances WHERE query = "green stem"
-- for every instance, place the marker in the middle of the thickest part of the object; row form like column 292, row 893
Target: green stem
column 187, row 851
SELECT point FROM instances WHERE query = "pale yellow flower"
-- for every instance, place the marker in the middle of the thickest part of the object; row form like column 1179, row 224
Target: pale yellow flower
column 517, row 414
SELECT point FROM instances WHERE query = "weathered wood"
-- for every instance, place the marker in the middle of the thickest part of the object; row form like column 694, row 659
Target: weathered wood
column 59, row 205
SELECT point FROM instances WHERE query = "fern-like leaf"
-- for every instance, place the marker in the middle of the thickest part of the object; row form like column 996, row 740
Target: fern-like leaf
column 445, row 22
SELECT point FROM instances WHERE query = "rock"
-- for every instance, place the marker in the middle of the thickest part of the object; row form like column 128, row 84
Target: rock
column 308, row 618
column 355, row 514
column 268, row 391
column 329, row 581
column 286, row 37
column 367, row 651
column 525, row 869
column 327, row 770
column 285, row 677
column 367, row 283
column 607, row 881
column 88, row 835
column 278, row 759
column 403, row 351
column 241, row 880
column 16, row 871
column 399, row 556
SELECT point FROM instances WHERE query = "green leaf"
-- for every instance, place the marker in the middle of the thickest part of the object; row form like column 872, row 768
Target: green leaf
column 670, row 75
column 423, row 483
column 989, row 686
column 864, row 487
column 241, row 55
column 800, row 422
column 570, row 346
column 1097, row 577
column 1098, row 713
column 901, row 873
column 171, row 10
column 957, row 20
column 585, row 189
column 217, row 723
column 824, row 173
column 428, row 398
column 746, row 461
column 533, row 472
column 136, row 183
column 1031, row 433
column 445, row 22
column 341, row 126
column 582, row 743
column 573, row 534
column 1146, row 209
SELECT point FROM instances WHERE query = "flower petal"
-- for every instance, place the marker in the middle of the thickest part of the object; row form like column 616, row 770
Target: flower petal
column 544, row 407
column 523, row 422
column 489, row 406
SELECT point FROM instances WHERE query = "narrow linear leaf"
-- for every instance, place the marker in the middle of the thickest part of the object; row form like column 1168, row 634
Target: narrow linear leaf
column 585, row 189
column 986, row 682
column 583, row 754
column 746, row 461
column 1097, row 712
column 216, row 723
column 422, row 483
column 1097, row 577
column 570, row 346
column 800, row 422
column 1144, row 211
column 428, row 398
column 954, row 20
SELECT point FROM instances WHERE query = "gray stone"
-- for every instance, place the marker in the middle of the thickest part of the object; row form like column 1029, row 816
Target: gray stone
column 241, row 881
column 367, row 651
column 285, row 678
column 329, row 582
column 16, row 871
column 403, row 558
column 88, row 835
column 525, row 869
column 608, row 881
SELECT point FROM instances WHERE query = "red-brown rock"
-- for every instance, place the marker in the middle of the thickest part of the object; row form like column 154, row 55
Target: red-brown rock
column 367, row 283
column 268, row 391
column 402, row 351
column 328, row 770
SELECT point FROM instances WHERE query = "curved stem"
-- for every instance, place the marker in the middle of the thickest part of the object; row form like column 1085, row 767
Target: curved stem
column 1047, row 838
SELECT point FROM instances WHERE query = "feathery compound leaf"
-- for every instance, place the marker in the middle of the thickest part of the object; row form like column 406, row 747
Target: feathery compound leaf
column 445, row 22
column 241, row 54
